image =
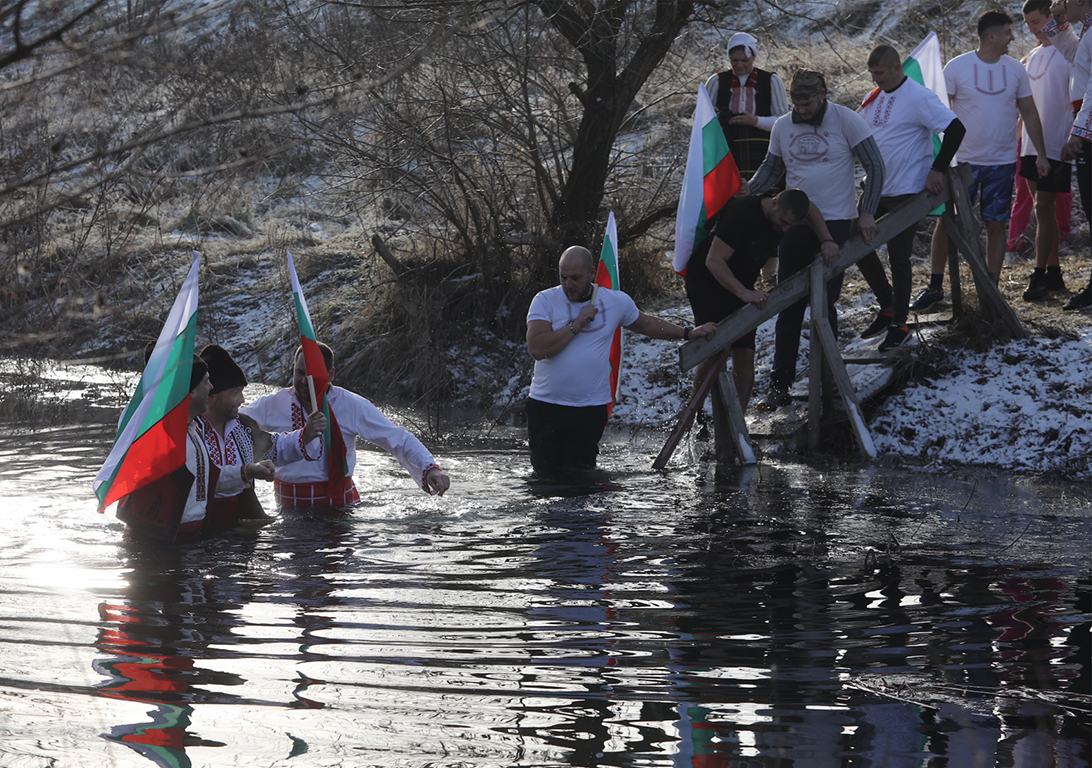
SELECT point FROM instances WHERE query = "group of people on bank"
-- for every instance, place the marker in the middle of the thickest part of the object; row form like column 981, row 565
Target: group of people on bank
column 799, row 201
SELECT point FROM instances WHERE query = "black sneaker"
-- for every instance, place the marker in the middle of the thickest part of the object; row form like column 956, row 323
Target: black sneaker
column 929, row 299
column 1082, row 300
column 879, row 325
column 897, row 335
column 1037, row 287
column 1054, row 281
column 775, row 398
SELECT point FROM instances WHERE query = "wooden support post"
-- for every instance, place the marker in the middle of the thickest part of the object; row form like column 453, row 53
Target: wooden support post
column 818, row 303
column 845, row 389
column 693, row 405
column 733, row 439
column 965, row 233
column 953, row 273
column 722, row 426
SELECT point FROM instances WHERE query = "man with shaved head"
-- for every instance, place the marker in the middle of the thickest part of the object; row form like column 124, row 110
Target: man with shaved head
column 903, row 116
column 569, row 332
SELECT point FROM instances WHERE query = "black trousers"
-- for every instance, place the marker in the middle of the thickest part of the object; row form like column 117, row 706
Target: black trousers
column 564, row 438
column 799, row 248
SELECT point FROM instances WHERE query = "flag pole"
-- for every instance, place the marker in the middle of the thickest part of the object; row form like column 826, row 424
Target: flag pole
column 311, row 389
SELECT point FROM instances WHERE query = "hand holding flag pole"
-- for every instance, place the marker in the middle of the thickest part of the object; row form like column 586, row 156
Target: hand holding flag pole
column 311, row 389
column 338, row 476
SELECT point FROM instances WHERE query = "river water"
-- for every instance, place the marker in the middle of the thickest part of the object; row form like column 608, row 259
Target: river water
column 785, row 615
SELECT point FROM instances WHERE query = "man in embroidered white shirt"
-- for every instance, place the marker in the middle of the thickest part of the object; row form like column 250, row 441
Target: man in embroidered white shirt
column 311, row 482
column 231, row 441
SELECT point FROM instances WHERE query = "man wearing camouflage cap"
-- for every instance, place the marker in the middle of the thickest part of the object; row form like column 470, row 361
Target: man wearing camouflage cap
column 815, row 146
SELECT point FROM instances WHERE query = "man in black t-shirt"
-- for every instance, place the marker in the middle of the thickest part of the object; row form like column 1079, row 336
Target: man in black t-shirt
column 721, row 274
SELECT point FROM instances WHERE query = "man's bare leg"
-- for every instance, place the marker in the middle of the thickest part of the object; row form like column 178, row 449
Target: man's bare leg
column 996, row 236
column 743, row 374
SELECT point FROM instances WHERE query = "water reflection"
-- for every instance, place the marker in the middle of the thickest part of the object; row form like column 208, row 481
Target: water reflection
column 778, row 616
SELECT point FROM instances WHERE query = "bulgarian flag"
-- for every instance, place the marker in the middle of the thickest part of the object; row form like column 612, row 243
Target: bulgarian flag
column 710, row 181
column 151, row 440
column 606, row 276
column 925, row 66
column 333, row 442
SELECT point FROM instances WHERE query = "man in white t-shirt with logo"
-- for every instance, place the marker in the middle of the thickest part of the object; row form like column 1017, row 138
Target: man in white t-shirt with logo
column 569, row 332
column 816, row 146
column 988, row 91
column 903, row 115
column 1049, row 74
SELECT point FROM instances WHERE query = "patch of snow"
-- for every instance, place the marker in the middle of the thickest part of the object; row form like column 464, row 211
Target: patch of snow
column 1022, row 406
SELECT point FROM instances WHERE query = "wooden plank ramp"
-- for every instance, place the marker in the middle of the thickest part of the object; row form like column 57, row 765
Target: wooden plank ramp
column 856, row 381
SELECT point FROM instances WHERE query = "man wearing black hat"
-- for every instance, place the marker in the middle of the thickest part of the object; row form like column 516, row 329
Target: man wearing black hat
column 230, row 441
column 175, row 507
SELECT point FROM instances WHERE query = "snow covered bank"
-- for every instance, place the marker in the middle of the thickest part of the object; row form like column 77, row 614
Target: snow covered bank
column 1024, row 406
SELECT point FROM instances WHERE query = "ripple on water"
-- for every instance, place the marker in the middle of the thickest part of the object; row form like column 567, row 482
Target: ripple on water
column 841, row 616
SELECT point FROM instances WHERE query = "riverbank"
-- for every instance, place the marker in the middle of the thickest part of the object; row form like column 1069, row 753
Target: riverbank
column 1021, row 407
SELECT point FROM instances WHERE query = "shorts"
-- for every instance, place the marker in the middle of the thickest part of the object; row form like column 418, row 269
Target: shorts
column 710, row 301
column 997, row 183
column 1055, row 181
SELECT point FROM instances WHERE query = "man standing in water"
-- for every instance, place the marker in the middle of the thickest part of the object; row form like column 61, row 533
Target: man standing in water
column 312, row 482
column 151, row 511
column 230, row 442
column 569, row 333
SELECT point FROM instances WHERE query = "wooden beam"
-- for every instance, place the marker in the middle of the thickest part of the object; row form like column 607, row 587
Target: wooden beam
column 740, row 440
column 965, row 229
column 845, row 388
column 818, row 287
column 697, row 399
column 796, row 287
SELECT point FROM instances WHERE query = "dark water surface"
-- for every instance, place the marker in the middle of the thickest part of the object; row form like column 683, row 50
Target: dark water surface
column 786, row 615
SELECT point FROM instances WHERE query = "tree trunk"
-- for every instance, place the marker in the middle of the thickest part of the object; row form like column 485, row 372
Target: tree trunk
column 609, row 91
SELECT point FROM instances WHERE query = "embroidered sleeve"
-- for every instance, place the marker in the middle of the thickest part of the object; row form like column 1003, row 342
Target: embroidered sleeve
column 424, row 474
column 303, row 447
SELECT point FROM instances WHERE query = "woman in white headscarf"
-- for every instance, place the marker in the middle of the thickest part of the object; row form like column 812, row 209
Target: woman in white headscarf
column 748, row 101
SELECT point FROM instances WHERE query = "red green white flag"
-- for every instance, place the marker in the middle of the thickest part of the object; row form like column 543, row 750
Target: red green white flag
column 151, row 439
column 332, row 440
column 606, row 276
column 710, row 180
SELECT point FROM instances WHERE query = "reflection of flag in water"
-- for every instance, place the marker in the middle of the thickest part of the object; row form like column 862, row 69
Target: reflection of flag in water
column 151, row 440
column 606, row 276
column 143, row 672
column 332, row 440
column 710, row 180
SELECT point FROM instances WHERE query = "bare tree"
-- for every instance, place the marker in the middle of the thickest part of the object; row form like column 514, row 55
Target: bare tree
column 620, row 43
